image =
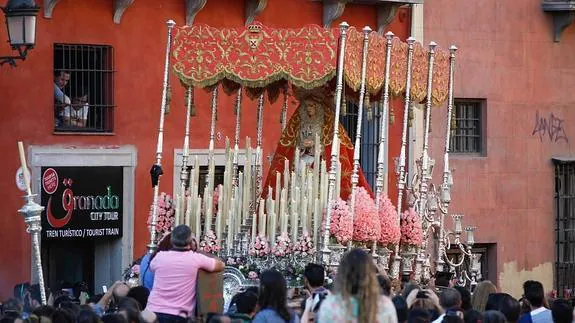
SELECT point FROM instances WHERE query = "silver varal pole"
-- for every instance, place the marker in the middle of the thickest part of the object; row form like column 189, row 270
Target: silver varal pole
column 185, row 172
column 156, row 171
column 402, row 174
column 380, row 179
column 447, row 176
column 259, row 152
column 238, row 109
column 425, row 165
column 357, row 145
column 334, row 152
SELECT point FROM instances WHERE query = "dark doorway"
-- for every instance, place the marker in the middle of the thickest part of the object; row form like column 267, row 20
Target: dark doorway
column 67, row 263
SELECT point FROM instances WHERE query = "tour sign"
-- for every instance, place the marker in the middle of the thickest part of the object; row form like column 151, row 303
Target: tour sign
column 82, row 202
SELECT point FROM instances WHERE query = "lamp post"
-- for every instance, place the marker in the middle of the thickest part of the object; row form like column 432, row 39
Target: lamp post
column 21, row 27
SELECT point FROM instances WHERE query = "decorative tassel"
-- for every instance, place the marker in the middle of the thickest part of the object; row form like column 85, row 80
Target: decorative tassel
column 367, row 103
column 168, row 100
column 391, row 116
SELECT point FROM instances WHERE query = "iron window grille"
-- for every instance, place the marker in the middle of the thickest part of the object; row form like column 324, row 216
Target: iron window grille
column 86, row 101
column 564, row 227
column 369, row 138
column 467, row 137
column 218, row 176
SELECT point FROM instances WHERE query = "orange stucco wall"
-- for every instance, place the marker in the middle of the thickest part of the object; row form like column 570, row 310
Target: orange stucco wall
column 139, row 42
column 507, row 56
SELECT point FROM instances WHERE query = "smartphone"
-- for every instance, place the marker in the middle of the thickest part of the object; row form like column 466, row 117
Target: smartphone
column 105, row 289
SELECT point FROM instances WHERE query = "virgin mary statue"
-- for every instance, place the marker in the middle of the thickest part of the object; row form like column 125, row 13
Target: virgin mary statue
column 313, row 116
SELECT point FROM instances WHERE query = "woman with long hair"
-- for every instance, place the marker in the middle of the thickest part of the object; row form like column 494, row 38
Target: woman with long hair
column 357, row 296
column 272, row 300
column 481, row 294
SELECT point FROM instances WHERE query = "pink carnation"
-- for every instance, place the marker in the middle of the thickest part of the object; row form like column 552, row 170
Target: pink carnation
column 341, row 226
column 260, row 247
column 304, row 245
column 252, row 275
column 283, row 245
column 411, row 230
column 366, row 227
column 390, row 231
column 165, row 215
column 210, row 243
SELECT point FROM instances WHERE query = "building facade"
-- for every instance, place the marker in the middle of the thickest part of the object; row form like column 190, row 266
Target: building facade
column 512, row 152
column 97, row 156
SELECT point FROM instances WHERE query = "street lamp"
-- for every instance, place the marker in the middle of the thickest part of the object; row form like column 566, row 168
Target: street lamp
column 21, row 26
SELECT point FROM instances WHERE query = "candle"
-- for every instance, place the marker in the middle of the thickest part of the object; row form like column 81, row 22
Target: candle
column 295, row 213
column 286, row 174
column 272, row 229
column 198, row 217
column 208, row 210
column 189, row 221
column 304, row 215
column 317, row 216
column 296, row 158
column 177, row 210
column 24, row 167
column 310, row 197
column 240, row 198
column 231, row 233
column 219, row 222
column 283, row 205
column 254, row 226
column 261, row 218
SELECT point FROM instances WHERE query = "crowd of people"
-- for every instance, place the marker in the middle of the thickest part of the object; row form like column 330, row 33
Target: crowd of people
column 360, row 294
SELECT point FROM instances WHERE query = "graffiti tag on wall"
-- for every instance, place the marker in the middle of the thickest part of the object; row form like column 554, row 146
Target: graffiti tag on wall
column 551, row 127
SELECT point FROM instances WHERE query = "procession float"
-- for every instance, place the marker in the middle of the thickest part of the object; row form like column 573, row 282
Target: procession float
column 314, row 203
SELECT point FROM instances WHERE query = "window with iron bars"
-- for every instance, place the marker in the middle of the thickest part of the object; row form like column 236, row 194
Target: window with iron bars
column 83, row 88
column 564, row 227
column 369, row 138
column 467, row 137
column 218, row 176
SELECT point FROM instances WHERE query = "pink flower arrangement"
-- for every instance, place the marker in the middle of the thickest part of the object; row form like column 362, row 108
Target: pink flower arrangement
column 260, row 247
column 366, row 227
column 411, row 230
column 166, row 211
column 283, row 245
column 252, row 275
column 389, row 220
column 341, row 227
column 304, row 246
column 210, row 243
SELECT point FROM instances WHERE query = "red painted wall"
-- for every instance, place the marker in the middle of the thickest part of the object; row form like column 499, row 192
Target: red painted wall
column 507, row 56
column 139, row 42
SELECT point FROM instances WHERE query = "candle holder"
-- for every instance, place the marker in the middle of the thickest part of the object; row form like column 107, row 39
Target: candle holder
column 383, row 258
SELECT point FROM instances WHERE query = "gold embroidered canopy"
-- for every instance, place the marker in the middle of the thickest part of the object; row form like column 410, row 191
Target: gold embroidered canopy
column 257, row 56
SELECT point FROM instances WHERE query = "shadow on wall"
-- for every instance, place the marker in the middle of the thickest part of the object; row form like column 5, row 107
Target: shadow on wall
column 511, row 280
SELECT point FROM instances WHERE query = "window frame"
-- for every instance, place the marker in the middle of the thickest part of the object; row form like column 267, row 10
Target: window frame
column 368, row 156
column 106, row 71
column 482, row 105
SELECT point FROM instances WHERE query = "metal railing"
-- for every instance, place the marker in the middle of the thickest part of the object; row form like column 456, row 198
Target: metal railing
column 564, row 226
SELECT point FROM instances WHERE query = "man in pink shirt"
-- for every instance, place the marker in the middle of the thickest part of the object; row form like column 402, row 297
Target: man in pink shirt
column 173, row 296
